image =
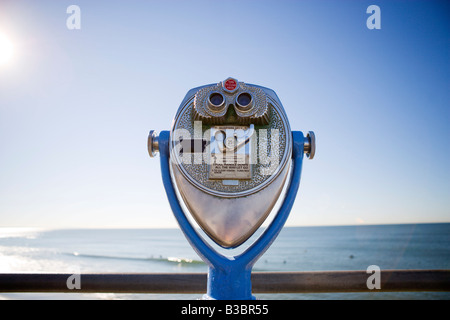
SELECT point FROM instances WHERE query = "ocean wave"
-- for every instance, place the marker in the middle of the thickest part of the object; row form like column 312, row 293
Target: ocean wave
column 169, row 260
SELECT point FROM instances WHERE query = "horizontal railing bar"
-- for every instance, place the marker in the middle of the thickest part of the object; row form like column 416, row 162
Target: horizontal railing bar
column 351, row 281
column 262, row 282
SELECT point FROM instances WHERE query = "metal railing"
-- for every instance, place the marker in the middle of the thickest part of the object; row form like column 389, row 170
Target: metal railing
column 262, row 282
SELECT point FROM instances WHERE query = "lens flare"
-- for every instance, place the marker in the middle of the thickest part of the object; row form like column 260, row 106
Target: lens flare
column 6, row 50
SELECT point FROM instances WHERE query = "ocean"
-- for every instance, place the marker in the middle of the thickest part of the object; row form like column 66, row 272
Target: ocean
column 406, row 246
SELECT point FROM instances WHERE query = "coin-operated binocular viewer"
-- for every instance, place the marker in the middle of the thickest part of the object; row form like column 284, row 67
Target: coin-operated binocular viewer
column 228, row 156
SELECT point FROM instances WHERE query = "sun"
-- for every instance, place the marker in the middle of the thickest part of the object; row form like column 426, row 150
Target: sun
column 6, row 49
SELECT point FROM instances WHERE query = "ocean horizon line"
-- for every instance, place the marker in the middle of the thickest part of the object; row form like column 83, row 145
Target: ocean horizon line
column 24, row 228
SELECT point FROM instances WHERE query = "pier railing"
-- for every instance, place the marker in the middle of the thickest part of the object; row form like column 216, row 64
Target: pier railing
column 262, row 282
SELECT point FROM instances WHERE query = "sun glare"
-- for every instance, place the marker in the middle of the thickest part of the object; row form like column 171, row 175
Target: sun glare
column 6, row 49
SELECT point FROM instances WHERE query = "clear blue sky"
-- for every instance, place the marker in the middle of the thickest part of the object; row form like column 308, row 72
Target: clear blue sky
column 76, row 105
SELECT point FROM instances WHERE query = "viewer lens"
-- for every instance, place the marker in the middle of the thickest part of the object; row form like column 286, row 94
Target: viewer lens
column 216, row 99
column 244, row 99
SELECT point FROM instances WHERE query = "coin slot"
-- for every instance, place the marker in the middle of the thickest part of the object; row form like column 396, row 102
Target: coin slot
column 192, row 145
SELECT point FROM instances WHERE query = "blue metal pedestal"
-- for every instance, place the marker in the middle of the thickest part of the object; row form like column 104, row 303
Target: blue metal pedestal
column 229, row 278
